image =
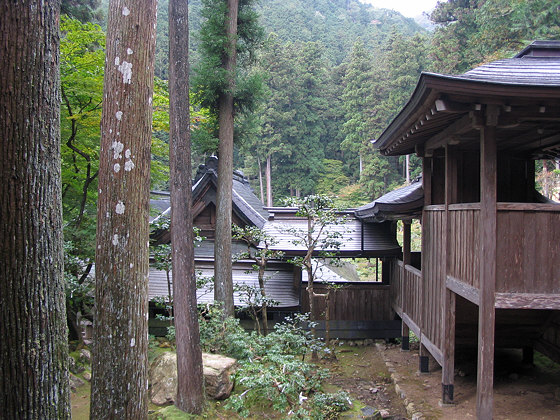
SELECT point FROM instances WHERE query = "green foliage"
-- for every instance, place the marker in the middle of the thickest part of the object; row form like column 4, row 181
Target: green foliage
column 211, row 79
column 219, row 335
column 81, row 70
column 351, row 196
column 332, row 178
column 471, row 32
column 275, row 372
column 329, row 406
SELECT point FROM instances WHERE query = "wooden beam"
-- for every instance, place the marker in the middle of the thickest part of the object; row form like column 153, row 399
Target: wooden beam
column 488, row 230
column 461, row 126
column 463, row 289
column 406, row 244
column 451, row 107
column 527, row 301
column 432, row 348
column 411, row 324
column 529, row 207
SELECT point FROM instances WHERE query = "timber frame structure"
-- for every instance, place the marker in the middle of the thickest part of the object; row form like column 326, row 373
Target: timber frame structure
column 490, row 264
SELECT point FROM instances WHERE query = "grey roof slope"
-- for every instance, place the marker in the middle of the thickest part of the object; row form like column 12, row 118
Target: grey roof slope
column 205, row 249
column 402, row 203
column 243, row 196
column 526, row 71
column 358, row 239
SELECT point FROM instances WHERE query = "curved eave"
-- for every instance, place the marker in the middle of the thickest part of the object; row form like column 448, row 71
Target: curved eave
column 421, row 117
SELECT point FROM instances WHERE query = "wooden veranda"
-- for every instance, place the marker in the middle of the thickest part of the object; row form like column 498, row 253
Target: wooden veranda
column 490, row 272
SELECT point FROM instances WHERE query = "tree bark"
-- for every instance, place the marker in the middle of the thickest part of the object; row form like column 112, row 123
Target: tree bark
column 223, row 282
column 260, row 180
column 120, row 342
column 268, row 182
column 190, row 378
column 33, row 330
column 264, row 311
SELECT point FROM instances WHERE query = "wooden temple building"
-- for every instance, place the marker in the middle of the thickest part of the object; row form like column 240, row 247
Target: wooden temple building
column 363, row 310
column 489, row 274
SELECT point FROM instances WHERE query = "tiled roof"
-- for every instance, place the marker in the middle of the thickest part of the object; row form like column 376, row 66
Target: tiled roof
column 399, row 203
column 243, row 196
column 527, row 71
column 526, row 89
column 358, row 239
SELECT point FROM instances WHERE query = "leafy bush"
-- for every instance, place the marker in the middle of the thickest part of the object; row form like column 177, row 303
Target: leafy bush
column 226, row 337
column 275, row 373
column 328, row 406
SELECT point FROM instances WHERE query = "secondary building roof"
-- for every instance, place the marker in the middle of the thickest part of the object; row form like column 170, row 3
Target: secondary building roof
column 400, row 204
column 357, row 239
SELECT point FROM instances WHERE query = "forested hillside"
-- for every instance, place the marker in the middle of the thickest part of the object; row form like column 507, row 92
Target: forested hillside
column 335, row 72
column 309, row 108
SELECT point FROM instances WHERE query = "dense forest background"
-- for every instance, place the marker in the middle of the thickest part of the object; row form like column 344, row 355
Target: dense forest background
column 335, row 73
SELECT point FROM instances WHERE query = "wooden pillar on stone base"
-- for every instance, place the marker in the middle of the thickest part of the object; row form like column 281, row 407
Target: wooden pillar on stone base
column 448, row 298
column 406, row 261
column 427, row 186
column 488, row 232
column 423, row 359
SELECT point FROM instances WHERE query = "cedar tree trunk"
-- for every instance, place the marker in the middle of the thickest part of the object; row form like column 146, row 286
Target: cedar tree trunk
column 120, row 347
column 268, row 182
column 33, row 331
column 190, row 379
column 223, row 283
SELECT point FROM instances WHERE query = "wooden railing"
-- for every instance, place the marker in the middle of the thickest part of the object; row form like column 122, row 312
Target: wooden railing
column 528, row 245
column 433, row 269
column 464, row 243
column 412, row 296
column 357, row 301
column 406, row 292
column 528, row 248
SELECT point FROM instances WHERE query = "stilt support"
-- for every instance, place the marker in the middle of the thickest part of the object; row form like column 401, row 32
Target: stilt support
column 405, row 343
column 447, row 393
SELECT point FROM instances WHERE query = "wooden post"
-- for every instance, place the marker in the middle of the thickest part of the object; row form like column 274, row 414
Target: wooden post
column 427, row 186
column 448, row 298
column 488, row 230
column 405, row 345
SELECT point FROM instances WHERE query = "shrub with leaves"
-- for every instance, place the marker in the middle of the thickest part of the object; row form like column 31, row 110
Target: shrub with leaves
column 217, row 335
column 328, row 406
column 276, row 373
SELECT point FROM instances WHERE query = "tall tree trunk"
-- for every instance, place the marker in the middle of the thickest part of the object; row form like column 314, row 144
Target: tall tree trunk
column 190, row 385
column 310, row 289
column 407, row 169
column 223, row 282
column 268, row 182
column 33, row 331
column 264, row 311
column 260, row 179
column 120, row 342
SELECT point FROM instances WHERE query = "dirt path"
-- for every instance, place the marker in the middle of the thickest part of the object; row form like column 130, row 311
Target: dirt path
column 521, row 391
column 362, row 372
